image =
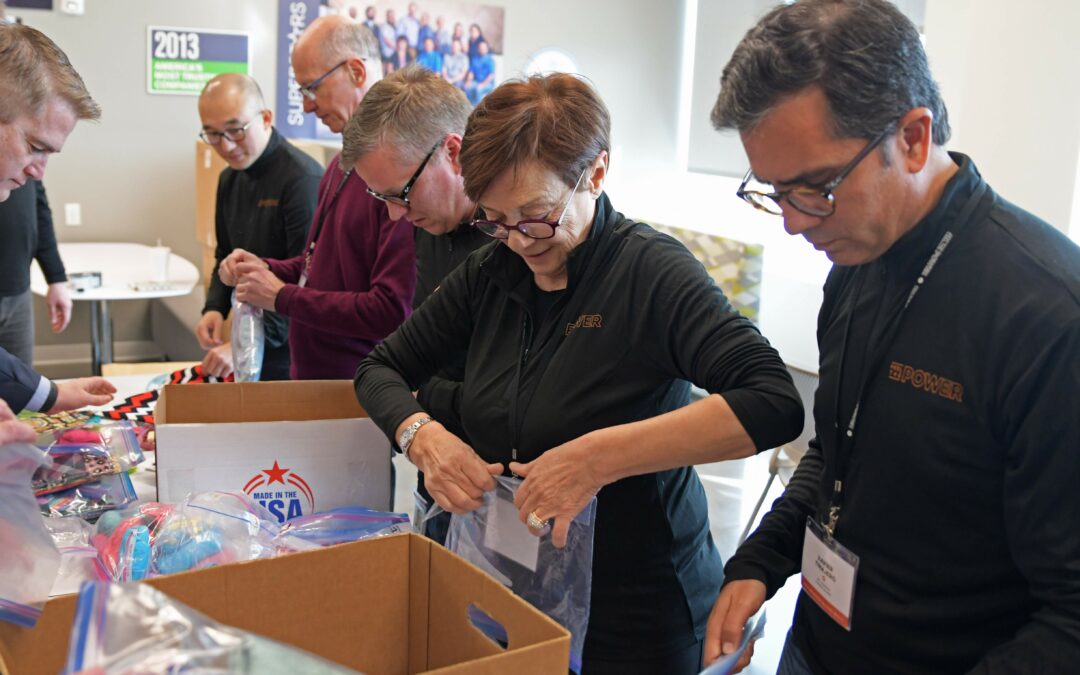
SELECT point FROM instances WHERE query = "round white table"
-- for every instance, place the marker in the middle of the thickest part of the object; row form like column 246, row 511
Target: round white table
column 127, row 273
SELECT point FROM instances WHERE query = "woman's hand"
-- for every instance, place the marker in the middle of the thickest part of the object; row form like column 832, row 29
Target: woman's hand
column 558, row 485
column 454, row 474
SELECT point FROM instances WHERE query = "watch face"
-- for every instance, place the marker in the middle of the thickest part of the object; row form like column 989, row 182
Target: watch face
column 550, row 60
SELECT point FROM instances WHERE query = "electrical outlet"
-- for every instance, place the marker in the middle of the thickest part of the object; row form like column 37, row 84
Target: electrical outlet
column 73, row 7
column 73, row 214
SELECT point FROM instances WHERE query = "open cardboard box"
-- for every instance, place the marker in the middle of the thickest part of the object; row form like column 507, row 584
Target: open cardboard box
column 391, row 605
column 296, row 447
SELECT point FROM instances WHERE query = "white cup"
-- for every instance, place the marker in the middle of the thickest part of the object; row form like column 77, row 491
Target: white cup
column 159, row 263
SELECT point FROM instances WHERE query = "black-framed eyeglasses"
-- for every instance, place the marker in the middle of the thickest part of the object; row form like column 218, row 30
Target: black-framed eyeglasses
column 402, row 198
column 811, row 200
column 233, row 134
column 308, row 90
column 532, row 228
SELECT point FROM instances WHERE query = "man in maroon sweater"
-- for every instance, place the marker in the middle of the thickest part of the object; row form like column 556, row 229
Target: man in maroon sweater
column 353, row 285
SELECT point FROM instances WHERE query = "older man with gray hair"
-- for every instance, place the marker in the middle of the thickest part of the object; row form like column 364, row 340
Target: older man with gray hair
column 41, row 99
column 353, row 284
column 404, row 141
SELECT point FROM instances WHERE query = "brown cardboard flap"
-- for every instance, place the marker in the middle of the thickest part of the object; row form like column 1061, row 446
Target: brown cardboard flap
column 257, row 402
column 452, row 639
column 391, row 605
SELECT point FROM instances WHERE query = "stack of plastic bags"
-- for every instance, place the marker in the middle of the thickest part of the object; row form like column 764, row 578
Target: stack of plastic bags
column 87, row 469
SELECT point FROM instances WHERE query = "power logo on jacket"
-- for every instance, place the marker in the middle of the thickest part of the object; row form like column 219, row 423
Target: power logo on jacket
column 929, row 382
column 585, row 321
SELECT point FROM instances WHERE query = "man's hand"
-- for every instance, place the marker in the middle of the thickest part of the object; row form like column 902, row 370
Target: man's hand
column 454, row 474
column 558, row 485
column 81, row 392
column 210, row 330
column 227, row 269
column 219, row 361
column 58, row 299
column 738, row 601
column 12, row 430
column 257, row 285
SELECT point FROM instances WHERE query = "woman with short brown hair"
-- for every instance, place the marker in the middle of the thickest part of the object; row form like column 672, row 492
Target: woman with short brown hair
column 584, row 331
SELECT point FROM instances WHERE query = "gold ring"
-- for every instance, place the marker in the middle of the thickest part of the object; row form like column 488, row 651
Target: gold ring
column 535, row 521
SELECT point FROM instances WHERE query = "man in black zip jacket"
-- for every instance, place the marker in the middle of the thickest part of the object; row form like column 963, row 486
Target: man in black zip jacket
column 946, row 459
column 403, row 141
column 265, row 204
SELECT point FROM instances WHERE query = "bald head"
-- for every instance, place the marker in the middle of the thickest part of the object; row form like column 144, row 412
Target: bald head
column 235, row 118
column 336, row 38
column 342, row 57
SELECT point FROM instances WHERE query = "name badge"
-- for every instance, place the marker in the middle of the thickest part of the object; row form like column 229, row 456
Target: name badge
column 303, row 280
column 828, row 573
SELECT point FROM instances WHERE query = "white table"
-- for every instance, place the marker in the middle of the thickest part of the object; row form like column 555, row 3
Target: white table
column 126, row 270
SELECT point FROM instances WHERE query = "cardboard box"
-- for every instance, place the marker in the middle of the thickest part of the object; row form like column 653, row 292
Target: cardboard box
column 385, row 606
column 208, row 167
column 297, row 447
column 321, row 151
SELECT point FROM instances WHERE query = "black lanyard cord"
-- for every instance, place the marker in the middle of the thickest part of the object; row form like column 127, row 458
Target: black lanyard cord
column 843, row 454
column 323, row 213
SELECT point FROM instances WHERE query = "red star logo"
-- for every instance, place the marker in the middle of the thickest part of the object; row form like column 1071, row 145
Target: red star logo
column 276, row 474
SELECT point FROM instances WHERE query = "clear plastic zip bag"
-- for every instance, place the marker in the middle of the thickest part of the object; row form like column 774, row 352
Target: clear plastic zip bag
column 348, row 523
column 134, row 628
column 248, row 340
column 28, row 558
column 556, row 581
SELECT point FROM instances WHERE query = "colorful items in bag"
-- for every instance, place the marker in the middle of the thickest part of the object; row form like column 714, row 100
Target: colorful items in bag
column 91, row 500
column 73, row 466
column 124, row 540
column 119, row 439
column 44, row 422
column 348, row 523
column 215, row 528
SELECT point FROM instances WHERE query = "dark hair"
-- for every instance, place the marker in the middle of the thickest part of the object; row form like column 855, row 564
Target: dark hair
column 864, row 54
column 558, row 120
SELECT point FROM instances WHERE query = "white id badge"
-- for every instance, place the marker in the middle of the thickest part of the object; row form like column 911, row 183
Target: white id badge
column 828, row 573
column 303, row 279
column 509, row 536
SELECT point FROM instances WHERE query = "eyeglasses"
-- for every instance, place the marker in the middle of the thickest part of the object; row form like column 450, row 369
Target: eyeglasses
column 234, row 134
column 309, row 90
column 813, row 201
column 402, row 198
column 532, row 228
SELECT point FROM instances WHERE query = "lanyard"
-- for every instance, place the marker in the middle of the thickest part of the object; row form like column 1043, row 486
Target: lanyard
column 323, row 213
column 848, row 430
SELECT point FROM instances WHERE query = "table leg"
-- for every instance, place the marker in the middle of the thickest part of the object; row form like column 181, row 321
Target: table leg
column 101, row 342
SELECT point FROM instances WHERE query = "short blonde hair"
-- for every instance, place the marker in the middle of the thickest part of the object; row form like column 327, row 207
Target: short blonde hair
column 33, row 70
column 411, row 109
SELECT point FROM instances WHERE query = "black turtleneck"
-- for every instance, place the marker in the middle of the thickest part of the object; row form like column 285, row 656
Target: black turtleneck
column 265, row 209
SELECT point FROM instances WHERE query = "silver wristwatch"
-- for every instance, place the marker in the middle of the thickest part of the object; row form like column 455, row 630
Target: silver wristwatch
column 405, row 440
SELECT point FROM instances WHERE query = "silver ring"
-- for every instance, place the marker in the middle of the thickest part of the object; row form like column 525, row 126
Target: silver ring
column 535, row 522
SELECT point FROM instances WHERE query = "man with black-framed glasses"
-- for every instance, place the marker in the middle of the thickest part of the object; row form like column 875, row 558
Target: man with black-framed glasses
column 404, row 141
column 934, row 518
column 265, row 202
column 352, row 284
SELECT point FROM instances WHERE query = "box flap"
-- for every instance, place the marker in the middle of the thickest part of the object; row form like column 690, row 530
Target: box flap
column 257, row 402
column 454, row 584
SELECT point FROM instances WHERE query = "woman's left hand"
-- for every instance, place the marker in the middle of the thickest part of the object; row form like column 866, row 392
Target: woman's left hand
column 558, row 485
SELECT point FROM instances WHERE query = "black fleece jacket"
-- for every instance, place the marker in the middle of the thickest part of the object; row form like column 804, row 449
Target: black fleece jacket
column 640, row 320
column 961, row 490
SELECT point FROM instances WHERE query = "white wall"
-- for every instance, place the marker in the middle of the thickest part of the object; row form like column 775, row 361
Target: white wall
column 1008, row 72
